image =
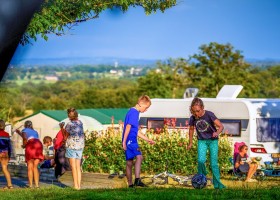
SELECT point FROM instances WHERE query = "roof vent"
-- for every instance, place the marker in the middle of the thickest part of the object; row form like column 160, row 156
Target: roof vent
column 190, row 93
column 229, row 92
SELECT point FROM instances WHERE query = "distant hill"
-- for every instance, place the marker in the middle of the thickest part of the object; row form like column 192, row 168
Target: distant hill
column 113, row 60
column 263, row 62
column 86, row 60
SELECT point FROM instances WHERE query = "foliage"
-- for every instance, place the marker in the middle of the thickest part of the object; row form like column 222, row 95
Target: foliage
column 58, row 16
column 103, row 152
column 166, row 80
column 217, row 65
column 101, row 93
column 270, row 77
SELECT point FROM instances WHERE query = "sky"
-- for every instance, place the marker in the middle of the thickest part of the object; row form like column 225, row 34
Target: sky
column 251, row 26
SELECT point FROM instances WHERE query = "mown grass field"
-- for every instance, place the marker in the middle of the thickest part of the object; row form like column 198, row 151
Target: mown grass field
column 267, row 189
column 142, row 193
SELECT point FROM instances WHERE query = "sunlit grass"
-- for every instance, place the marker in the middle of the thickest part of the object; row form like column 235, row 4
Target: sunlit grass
column 141, row 193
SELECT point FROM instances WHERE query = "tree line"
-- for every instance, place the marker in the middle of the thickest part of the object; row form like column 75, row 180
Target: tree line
column 208, row 70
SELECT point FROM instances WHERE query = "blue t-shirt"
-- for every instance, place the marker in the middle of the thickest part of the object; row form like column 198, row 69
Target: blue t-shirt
column 30, row 133
column 132, row 118
column 204, row 125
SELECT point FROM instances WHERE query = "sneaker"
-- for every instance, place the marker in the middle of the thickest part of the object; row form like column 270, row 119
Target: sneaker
column 131, row 186
column 139, row 183
column 112, row 175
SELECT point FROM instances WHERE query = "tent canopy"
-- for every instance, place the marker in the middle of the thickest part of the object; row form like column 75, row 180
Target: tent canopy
column 89, row 123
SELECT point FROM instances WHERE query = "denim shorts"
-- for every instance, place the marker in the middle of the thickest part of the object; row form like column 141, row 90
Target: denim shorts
column 74, row 153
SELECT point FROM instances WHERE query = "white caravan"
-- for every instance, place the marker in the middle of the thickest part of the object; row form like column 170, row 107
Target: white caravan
column 253, row 121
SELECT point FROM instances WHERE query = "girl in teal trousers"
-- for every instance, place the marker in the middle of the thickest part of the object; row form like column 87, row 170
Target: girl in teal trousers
column 208, row 127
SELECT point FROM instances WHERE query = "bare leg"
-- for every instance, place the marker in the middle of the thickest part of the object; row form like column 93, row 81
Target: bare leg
column 4, row 163
column 74, row 172
column 30, row 166
column 138, row 163
column 36, row 172
column 79, row 172
column 252, row 170
column 129, row 164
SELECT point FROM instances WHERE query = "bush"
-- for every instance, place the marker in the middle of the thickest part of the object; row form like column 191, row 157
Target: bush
column 103, row 152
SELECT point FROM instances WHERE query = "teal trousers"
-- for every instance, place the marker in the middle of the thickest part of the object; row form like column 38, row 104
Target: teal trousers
column 212, row 145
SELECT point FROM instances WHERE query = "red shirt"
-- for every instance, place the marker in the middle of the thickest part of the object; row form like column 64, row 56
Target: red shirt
column 4, row 134
column 5, row 142
column 59, row 140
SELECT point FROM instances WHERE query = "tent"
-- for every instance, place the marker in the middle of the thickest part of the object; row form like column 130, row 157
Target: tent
column 89, row 123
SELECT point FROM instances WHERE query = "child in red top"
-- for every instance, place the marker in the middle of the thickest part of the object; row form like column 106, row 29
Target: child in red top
column 5, row 153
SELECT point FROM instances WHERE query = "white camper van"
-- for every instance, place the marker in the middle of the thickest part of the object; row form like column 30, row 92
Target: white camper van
column 253, row 121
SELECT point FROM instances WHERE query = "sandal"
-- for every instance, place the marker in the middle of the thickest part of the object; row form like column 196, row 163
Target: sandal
column 8, row 187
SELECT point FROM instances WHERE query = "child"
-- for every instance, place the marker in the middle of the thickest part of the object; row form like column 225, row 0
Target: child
column 48, row 153
column 129, row 140
column 5, row 153
column 242, row 165
column 205, row 123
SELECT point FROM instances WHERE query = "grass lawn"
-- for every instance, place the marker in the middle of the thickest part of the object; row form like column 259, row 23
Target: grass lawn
column 142, row 193
column 266, row 189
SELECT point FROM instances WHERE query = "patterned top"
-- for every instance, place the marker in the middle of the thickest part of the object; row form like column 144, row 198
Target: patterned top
column 204, row 125
column 76, row 139
column 48, row 151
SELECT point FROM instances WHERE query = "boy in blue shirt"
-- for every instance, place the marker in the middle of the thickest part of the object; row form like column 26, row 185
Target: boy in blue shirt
column 129, row 140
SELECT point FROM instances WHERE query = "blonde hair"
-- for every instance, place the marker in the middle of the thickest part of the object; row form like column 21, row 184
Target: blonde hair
column 72, row 113
column 144, row 99
column 2, row 124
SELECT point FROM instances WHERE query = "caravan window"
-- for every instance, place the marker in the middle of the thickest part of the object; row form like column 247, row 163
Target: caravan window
column 232, row 127
column 155, row 124
column 268, row 129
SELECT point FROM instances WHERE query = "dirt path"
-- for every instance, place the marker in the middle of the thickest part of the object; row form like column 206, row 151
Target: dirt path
column 96, row 180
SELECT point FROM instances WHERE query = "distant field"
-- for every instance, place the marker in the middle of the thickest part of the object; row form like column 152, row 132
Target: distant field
column 21, row 82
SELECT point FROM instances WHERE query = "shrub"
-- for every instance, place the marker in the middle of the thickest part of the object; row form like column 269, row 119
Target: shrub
column 103, row 152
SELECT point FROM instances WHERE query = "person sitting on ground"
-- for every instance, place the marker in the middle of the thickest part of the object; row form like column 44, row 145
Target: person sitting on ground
column 242, row 165
column 5, row 153
column 48, row 153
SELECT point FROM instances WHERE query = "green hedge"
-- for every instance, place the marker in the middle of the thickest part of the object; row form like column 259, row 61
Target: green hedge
column 103, row 152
